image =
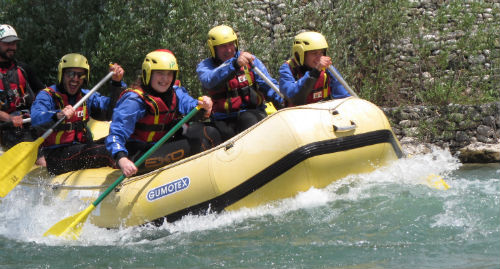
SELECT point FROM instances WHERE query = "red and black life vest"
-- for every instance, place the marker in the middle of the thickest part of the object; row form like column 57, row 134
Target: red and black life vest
column 321, row 89
column 158, row 119
column 72, row 129
column 239, row 90
column 14, row 94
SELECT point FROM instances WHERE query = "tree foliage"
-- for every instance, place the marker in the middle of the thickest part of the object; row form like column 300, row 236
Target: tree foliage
column 362, row 36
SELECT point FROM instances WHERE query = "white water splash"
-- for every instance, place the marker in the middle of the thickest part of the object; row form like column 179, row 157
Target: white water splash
column 466, row 204
column 28, row 212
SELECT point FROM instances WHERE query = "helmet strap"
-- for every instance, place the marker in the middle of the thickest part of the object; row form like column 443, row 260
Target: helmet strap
column 297, row 57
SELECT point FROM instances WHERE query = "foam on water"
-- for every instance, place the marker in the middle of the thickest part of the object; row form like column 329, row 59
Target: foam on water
column 472, row 205
column 28, row 212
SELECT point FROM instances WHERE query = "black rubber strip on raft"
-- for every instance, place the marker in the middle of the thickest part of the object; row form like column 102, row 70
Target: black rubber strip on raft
column 281, row 166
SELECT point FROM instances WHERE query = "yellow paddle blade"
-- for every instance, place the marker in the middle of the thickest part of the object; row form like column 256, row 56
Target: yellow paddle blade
column 70, row 227
column 270, row 109
column 98, row 128
column 437, row 182
column 16, row 163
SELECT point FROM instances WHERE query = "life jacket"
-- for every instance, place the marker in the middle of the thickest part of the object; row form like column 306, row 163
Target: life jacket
column 72, row 129
column 158, row 119
column 240, row 91
column 14, row 91
column 321, row 89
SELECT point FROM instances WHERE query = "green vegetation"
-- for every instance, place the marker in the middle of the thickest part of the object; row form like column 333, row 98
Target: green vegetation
column 390, row 52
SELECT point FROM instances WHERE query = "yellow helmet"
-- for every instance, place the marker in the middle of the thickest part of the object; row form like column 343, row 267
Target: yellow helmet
column 160, row 59
column 307, row 41
column 72, row 60
column 221, row 34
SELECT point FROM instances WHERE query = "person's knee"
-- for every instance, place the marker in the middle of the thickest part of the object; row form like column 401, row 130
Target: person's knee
column 226, row 130
column 167, row 153
column 249, row 118
column 202, row 137
column 212, row 137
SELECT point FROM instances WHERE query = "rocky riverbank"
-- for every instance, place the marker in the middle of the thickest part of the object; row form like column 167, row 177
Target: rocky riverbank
column 470, row 132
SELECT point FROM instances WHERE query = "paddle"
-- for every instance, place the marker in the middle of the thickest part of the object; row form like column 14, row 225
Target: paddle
column 342, row 81
column 432, row 180
column 436, row 181
column 330, row 68
column 70, row 227
column 19, row 160
column 9, row 124
column 268, row 82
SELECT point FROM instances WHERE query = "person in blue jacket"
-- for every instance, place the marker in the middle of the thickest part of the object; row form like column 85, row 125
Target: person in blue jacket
column 304, row 78
column 148, row 110
column 238, row 94
column 71, row 147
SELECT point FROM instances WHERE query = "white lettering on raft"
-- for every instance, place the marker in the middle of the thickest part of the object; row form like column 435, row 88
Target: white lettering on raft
column 167, row 189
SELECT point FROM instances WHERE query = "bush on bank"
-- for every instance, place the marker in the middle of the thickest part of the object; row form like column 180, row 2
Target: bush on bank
column 391, row 52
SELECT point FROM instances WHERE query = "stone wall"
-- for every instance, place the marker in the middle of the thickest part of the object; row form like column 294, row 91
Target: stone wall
column 472, row 132
column 443, row 50
column 446, row 40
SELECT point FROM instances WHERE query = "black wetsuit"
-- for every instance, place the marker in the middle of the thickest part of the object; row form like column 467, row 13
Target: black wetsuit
column 10, row 135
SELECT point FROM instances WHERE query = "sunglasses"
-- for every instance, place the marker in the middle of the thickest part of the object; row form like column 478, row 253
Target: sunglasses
column 72, row 74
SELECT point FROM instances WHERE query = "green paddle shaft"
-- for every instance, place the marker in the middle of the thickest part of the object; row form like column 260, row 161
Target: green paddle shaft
column 71, row 227
column 148, row 153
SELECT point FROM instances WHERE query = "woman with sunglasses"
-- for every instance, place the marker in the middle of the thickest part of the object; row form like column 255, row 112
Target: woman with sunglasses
column 71, row 147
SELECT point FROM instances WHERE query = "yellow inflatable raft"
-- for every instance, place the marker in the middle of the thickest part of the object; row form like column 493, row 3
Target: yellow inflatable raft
column 288, row 152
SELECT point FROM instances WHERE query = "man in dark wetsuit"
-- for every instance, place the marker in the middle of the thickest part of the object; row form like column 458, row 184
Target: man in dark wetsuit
column 18, row 88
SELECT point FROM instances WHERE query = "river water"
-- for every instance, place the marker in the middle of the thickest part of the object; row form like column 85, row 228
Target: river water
column 383, row 219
